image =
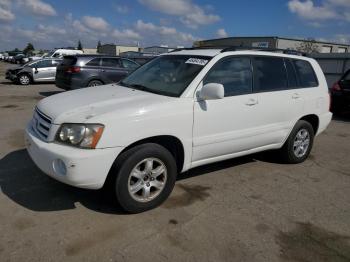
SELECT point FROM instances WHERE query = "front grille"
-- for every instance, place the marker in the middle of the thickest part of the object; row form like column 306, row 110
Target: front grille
column 41, row 124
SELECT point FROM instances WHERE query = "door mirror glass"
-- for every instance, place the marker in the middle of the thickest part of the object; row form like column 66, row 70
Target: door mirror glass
column 212, row 91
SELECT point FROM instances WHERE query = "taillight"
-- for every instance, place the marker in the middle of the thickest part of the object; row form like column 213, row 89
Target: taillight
column 73, row 69
column 336, row 87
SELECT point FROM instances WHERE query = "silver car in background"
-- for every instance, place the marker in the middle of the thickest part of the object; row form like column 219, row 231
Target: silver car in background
column 43, row 70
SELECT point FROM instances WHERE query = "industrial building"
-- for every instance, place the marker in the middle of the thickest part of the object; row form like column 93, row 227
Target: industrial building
column 333, row 65
column 116, row 50
column 90, row 51
column 274, row 42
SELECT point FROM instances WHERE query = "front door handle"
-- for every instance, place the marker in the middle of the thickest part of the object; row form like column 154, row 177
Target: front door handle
column 296, row 96
column 251, row 102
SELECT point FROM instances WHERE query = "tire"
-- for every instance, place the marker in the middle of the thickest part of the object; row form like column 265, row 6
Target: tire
column 133, row 180
column 24, row 79
column 299, row 143
column 95, row 83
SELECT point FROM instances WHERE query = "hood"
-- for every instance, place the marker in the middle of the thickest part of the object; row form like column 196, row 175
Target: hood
column 87, row 104
column 16, row 68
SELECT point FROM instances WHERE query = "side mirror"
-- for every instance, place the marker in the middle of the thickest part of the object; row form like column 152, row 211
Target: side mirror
column 212, row 91
column 36, row 70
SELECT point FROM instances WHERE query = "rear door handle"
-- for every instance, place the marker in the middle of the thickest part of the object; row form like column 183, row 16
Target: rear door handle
column 296, row 96
column 251, row 102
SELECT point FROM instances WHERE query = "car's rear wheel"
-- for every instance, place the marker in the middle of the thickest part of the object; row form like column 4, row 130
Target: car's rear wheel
column 95, row 83
column 24, row 79
column 144, row 177
column 299, row 143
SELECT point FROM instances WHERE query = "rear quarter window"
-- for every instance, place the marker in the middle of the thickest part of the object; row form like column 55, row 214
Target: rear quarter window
column 94, row 62
column 305, row 73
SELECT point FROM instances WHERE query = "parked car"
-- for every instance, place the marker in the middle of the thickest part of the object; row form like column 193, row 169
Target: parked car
column 36, row 71
column 9, row 58
column 90, row 70
column 57, row 53
column 17, row 59
column 340, row 93
column 179, row 111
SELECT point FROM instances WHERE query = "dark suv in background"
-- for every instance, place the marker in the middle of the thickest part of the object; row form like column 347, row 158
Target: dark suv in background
column 80, row 71
column 340, row 93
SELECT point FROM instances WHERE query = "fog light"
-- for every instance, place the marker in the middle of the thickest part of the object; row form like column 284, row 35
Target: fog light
column 59, row 167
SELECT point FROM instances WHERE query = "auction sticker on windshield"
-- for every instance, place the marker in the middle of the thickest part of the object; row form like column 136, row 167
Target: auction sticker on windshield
column 197, row 61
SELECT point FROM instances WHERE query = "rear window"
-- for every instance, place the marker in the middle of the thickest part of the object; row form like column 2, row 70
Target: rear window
column 305, row 73
column 269, row 74
column 69, row 60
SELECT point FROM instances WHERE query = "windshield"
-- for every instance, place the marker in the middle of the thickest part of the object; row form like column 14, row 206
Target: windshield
column 166, row 75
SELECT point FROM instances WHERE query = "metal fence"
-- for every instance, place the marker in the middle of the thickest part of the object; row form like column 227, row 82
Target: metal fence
column 333, row 65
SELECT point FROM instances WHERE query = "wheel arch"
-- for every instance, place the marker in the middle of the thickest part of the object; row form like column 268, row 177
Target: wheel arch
column 94, row 78
column 171, row 143
column 313, row 120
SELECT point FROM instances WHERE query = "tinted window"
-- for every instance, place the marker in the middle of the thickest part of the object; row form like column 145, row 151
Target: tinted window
column 43, row 63
column 94, row 62
column 269, row 74
column 129, row 64
column 292, row 78
column 347, row 76
column 110, row 62
column 234, row 73
column 306, row 75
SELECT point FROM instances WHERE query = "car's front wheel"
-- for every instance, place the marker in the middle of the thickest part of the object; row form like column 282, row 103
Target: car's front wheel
column 24, row 79
column 299, row 143
column 144, row 177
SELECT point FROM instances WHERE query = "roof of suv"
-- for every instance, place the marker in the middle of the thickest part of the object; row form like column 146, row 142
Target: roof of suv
column 214, row 52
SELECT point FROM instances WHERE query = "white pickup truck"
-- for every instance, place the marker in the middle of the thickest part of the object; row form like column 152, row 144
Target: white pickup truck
column 181, row 110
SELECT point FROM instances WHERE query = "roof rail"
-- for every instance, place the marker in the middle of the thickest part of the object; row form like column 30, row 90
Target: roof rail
column 283, row 51
column 243, row 48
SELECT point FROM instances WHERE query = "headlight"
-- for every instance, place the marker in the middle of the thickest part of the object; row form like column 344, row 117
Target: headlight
column 80, row 135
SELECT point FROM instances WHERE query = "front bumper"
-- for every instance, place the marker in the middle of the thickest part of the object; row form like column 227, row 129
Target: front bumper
column 84, row 168
column 11, row 76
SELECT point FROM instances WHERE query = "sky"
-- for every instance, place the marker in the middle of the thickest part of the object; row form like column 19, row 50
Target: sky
column 49, row 24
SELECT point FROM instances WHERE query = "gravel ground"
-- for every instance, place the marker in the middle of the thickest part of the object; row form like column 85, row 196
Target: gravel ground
column 246, row 209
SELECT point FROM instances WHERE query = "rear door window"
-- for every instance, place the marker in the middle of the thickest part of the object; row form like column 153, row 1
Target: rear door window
column 305, row 73
column 94, row 62
column 292, row 77
column 269, row 74
column 111, row 62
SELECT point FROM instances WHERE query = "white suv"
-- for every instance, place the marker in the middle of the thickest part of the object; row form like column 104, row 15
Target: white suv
column 181, row 110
